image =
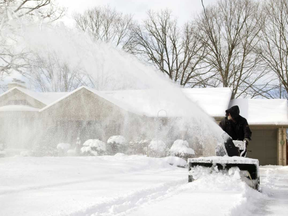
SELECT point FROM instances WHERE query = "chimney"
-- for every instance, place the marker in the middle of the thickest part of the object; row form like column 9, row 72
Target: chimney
column 16, row 83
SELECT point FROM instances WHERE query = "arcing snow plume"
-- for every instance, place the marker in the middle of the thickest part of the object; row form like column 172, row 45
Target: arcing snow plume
column 170, row 113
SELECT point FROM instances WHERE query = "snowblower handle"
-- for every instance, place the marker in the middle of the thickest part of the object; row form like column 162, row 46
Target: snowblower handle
column 240, row 144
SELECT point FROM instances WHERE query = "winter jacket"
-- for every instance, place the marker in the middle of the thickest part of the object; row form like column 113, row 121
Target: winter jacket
column 237, row 128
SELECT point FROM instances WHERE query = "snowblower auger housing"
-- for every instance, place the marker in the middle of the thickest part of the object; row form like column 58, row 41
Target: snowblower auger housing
column 249, row 168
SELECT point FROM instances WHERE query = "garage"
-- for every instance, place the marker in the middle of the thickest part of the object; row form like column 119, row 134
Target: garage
column 268, row 120
column 264, row 146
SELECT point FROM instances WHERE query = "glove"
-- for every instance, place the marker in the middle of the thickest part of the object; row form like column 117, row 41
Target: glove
column 246, row 141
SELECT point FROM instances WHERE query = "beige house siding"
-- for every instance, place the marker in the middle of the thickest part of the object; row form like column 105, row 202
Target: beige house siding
column 81, row 105
column 15, row 96
column 91, row 116
column 18, row 129
column 84, row 111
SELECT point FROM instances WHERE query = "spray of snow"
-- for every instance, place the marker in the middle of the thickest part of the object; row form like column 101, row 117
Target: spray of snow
column 113, row 69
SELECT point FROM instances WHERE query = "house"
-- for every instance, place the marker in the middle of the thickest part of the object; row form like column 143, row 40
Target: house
column 267, row 118
column 45, row 119
column 33, row 118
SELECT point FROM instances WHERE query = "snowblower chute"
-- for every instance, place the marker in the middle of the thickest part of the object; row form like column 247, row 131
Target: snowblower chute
column 248, row 167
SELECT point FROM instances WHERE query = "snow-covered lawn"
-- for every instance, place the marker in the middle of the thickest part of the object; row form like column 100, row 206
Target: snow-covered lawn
column 132, row 186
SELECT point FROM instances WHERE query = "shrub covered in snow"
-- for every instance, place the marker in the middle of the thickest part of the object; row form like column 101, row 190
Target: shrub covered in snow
column 93, row 147
column 2, row 146
column 138, row 146
column 157, row 148
column 43, row 150
column 180, row 148
column 117, row 144
column 2, row 153
column 63, row 148
column 25, row 153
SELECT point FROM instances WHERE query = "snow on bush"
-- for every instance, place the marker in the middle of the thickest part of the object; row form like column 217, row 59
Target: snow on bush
column 72, row 152
column 117, row 144
column 117, row 139
column 93, row 147
column 157, row 148
column 86, row 150
column 138, row 146
column 63, row 148
column 2, row 153
column 41, row 150
column 180, row 148
column 2, row 146
column 25, row 153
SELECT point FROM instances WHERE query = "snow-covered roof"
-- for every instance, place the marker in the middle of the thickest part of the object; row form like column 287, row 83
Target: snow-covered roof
column 43, row 97
column 60, row 97
column 263, row 111
column 152, row 102
column 214, row 101
column 20, row 108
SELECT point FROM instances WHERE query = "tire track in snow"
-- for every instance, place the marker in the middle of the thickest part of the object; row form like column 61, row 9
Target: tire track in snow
column 56, row 184
column 123, row 205
column 59, row 184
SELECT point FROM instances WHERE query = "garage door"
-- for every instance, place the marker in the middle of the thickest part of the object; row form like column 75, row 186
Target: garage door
column 264, row 146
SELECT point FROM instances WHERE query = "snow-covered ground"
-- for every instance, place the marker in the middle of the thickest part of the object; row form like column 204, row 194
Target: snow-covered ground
column 132, row 186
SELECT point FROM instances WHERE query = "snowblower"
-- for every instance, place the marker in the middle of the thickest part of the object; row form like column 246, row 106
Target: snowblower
column 234, row 158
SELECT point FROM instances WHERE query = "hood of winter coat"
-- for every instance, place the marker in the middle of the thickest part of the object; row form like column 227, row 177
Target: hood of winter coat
column 234, row 112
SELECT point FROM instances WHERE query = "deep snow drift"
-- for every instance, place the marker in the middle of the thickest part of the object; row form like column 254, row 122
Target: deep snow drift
column 132, row 186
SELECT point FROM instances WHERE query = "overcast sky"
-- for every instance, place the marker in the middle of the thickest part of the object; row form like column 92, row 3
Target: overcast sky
column 184, row 10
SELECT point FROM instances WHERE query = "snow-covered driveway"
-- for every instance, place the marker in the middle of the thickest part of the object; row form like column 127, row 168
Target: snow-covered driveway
column 132, row 186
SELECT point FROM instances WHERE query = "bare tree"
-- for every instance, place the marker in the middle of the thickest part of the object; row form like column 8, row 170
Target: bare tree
column 106, row 24
column 42, row 9
column 229, row 30
column 11, row 59
column 47, row 73
column 174, row 51
column 274, row 44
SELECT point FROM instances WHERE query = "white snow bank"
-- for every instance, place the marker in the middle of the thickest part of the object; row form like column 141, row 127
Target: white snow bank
column 175, row 161
column 181, row 148
column 132, row 185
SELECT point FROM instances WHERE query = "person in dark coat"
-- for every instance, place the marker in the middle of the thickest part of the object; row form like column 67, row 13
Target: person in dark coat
column 236, row 126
